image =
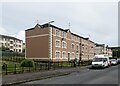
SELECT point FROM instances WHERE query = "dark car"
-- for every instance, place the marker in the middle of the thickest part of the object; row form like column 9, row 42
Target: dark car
column 118, row 60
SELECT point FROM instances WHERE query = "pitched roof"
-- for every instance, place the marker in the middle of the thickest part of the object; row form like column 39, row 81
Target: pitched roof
column 114, row 47
column 9, row 37
column 100, row 45
column 50, row 25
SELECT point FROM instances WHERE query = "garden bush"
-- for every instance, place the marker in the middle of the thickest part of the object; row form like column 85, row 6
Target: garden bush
column 27, row 63
column 4, row 66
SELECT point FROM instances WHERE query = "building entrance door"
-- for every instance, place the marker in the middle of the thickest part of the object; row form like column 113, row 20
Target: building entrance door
column 68, row 56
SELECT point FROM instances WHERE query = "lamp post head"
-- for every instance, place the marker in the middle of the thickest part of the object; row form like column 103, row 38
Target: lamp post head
column 51, row 21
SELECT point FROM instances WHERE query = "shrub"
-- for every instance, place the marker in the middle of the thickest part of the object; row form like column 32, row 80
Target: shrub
column 4, row 66
column 27, row 63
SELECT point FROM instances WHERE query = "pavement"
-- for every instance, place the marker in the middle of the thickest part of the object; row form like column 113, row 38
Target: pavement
column 32, row 76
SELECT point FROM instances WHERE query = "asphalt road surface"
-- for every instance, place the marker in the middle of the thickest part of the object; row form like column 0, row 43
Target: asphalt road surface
column 85, row 76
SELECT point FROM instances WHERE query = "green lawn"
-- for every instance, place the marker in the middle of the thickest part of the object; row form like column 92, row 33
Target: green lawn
column 10, row 64
column 11, row 67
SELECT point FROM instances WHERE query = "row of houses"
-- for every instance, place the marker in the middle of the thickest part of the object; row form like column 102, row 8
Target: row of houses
column 12, row 43
column 51, row 43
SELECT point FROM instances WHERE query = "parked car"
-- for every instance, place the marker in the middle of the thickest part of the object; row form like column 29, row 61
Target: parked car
column 113, row 61
column 118, row 61
column 100, row 61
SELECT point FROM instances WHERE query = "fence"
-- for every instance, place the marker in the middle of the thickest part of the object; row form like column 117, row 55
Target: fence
column 16, row 68
column 13, row 59
column 11, row 54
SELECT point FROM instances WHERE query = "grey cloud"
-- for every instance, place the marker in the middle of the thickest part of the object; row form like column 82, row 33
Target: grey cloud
column 99, row 19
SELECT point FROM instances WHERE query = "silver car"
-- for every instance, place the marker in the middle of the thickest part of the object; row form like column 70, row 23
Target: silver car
column 113, row 61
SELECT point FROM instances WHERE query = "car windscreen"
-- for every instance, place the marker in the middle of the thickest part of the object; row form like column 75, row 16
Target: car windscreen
column 98, row 59
column 113, row 59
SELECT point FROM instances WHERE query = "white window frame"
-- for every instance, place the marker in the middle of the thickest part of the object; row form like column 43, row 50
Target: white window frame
column 72, row 55
column 56, row 43
column 77, row 39
column 57, row 58
column 57, row 33
column 71, row 46
column 77, row 55
column 76, row 47
column 65, row 44
column 72, row 36
column 64, row 57
column 64, row 34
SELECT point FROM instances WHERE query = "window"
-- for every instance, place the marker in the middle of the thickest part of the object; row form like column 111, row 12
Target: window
column 72, row 55
column 63, row 34
column 82, row 48
column 57, row 54
column 16, row 50
column 2, row 44
column 72, row 37
column 57, row 43
column 5, row 44
column 77, row 39
column 64, row 44
column 73, row 46
column 77, row 55
column 77, row 47
column 63, row 54
column 11, row 42
column 11, row 47
column 19, row 50
column 19, row 45
column 58, row 33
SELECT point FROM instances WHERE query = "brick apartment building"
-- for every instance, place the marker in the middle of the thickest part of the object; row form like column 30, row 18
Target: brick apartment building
column 14, row 44
column 50, row 43
column 87, row 49
column 102, row 49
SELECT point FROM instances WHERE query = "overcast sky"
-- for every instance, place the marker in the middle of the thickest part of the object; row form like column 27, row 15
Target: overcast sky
column 97, row 19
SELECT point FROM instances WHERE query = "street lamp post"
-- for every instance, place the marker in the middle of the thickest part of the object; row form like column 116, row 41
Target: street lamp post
column 50, row 22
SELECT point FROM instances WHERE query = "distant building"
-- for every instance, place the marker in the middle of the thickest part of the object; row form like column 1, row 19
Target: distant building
column 87, row 49
column 102, row 49
column 91, row 47
column 99, row 48
column 115, row 51
column 14, row 44
column 50, row 43
column 110, row 52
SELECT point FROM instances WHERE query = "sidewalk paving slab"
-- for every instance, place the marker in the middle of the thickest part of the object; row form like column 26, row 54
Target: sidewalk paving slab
column 31, row 76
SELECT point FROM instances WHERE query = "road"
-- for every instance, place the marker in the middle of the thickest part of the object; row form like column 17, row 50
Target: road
column 85, row 76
